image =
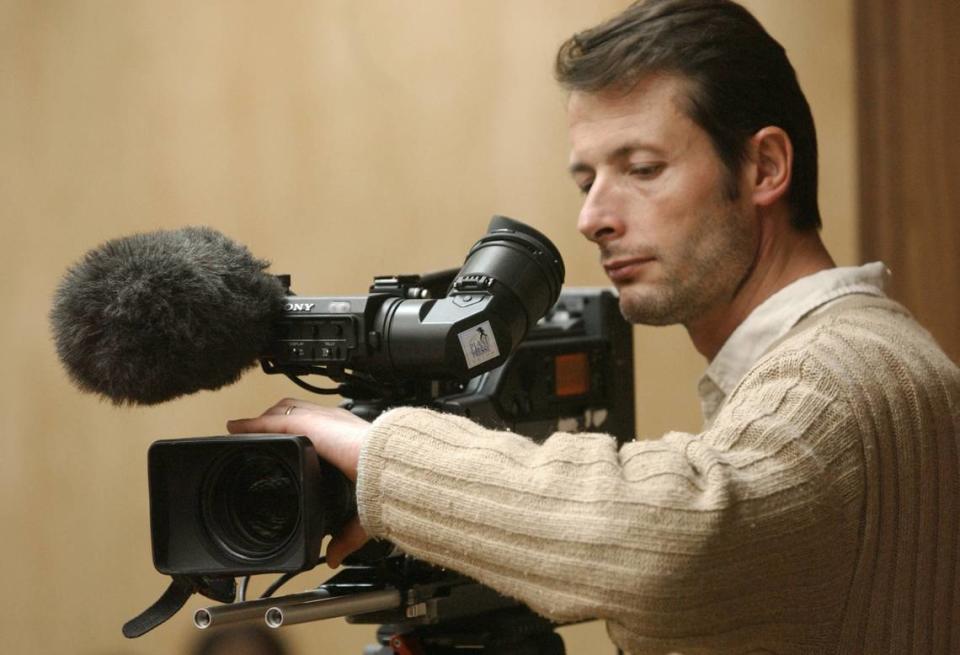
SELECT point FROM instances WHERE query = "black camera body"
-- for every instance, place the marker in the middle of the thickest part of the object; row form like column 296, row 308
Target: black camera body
column 498, row 341
column 452, row 325
column 229, row 506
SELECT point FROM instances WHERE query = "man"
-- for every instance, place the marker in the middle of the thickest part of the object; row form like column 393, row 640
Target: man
column 819, row 510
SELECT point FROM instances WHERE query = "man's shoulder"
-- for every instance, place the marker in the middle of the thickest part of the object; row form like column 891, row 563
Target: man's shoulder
column 862, row 336
column 861, row 322
column 867, row 354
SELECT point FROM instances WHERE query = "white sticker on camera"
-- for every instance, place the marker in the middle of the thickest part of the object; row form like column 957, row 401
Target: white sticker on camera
column 479, row 344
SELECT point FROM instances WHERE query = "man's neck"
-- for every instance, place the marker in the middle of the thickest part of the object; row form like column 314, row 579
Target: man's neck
column 781, row 260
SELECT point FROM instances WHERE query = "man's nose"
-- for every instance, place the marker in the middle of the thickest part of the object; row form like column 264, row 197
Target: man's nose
column 600, row 217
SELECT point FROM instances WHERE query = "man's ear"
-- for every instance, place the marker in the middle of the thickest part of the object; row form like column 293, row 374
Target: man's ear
column 772, row 154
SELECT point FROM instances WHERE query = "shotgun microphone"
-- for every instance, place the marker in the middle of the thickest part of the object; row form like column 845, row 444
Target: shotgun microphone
column 151, row 317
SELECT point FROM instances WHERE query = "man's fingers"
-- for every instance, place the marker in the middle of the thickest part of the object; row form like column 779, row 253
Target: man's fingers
column 282, row 419
column 351, row 538
column 274, row 423
column 288, row 406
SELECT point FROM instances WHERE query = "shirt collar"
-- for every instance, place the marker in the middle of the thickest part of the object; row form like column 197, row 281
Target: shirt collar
column 773, row 318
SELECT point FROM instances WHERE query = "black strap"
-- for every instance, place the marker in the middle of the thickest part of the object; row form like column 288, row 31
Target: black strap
column 175, row 597
column 181, row 588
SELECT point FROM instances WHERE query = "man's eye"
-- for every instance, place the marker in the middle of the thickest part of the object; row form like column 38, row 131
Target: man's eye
column 646, row 171
column 585, row 186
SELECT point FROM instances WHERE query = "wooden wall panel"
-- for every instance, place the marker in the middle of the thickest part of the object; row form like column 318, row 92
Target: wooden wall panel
column 909, row 87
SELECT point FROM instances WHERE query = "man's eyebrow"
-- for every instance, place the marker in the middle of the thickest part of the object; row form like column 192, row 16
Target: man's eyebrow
column 579, row 167
column 622, row 152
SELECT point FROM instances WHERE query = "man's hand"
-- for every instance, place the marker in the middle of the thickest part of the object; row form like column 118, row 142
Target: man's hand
column 337, row 436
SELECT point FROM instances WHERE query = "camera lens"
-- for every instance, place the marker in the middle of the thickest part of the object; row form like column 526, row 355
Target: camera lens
column 252, row 504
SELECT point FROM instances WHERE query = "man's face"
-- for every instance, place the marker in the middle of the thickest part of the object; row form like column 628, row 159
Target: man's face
column 657, row 203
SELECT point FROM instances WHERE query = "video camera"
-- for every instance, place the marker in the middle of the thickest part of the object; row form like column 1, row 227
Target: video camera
column 497, row 341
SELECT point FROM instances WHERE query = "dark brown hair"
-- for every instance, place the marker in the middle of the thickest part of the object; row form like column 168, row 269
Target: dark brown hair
column 741, row 79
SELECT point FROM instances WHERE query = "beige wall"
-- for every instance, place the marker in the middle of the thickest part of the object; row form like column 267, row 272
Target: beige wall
column 341, row 139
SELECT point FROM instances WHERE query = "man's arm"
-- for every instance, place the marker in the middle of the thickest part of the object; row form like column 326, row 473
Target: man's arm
column 687, row 530
column 684, row 535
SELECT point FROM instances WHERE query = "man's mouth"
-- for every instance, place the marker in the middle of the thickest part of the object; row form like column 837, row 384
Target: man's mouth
column 623, row 270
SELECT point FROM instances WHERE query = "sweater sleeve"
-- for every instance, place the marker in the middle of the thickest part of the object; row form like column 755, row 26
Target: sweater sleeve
column 687, row 534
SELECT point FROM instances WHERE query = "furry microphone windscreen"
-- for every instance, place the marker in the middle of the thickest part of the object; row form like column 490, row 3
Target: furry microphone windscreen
column 151, row 317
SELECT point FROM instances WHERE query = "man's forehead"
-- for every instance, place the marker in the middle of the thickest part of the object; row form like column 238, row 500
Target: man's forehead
column 655, row 91
column 649, row 110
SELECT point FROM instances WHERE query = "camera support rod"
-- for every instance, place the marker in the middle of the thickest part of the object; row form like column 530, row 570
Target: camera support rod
column 325, row 608
column 250, row 610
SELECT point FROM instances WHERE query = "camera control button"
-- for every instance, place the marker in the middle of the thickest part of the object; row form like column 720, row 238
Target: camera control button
column 467, row 299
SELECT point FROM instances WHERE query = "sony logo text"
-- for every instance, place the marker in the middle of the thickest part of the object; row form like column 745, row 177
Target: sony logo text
column 298, row 306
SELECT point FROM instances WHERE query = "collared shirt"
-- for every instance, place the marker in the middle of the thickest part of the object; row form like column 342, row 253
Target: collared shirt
column 773, row 318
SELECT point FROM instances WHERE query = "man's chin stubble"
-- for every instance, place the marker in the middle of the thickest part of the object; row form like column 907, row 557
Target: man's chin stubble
column 651, row 311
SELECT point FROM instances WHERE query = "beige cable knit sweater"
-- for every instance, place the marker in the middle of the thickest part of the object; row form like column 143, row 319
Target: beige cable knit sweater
column 820, row 513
